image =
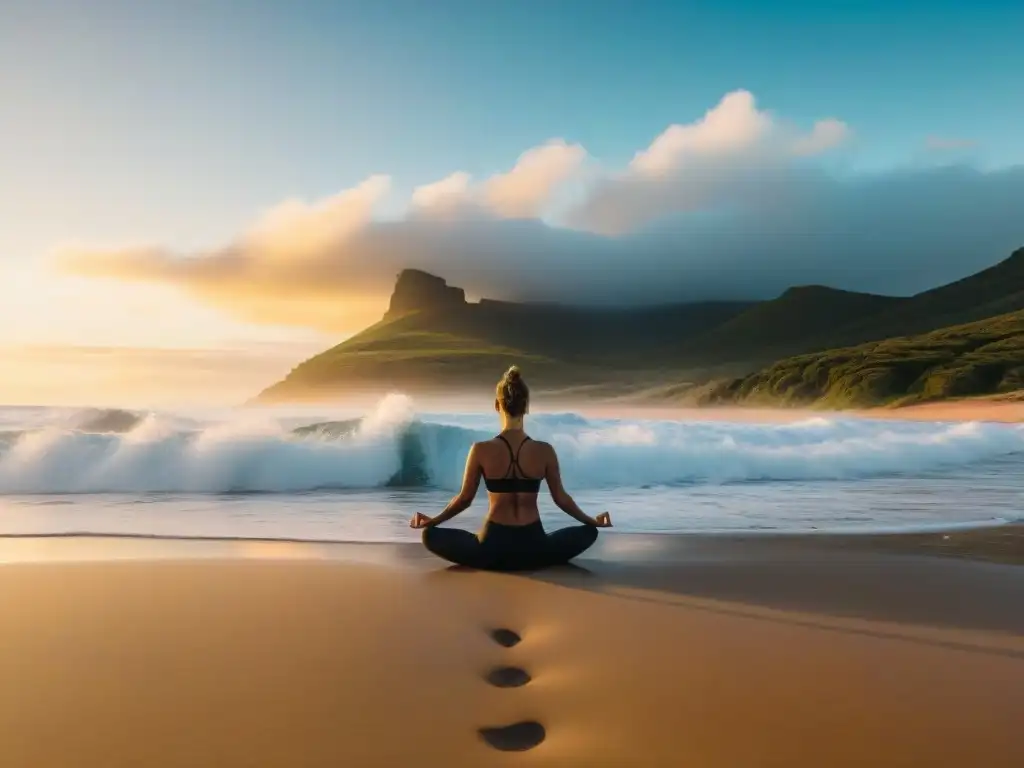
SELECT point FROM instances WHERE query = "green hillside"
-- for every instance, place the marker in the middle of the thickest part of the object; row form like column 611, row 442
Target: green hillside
column 791, row 323
column 395, row 353
column 980, row 358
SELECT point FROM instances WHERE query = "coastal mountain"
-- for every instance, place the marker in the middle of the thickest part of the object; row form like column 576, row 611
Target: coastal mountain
column 985, row 357
column 581, row 336
column 431, row 339
column 811, row 318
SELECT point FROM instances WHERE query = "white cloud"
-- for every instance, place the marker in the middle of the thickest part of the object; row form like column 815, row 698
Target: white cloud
column 826, row 134
column 450, row 192
column 717, row 160
column 520, row 193
column 734, row 125
column 296, row 229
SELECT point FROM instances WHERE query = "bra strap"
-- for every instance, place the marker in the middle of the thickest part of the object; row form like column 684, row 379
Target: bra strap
column 519, row 467
column 511, row 456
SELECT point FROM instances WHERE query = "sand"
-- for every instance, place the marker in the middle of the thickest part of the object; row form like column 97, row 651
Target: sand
column 1004, row 408
column 664, row 651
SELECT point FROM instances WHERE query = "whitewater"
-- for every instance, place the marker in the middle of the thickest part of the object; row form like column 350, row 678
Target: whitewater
column 342, row 475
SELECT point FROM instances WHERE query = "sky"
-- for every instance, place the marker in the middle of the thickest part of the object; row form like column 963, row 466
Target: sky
column 195, row 196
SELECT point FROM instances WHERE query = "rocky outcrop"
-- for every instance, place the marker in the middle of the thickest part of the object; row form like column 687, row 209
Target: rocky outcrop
column 418, row 291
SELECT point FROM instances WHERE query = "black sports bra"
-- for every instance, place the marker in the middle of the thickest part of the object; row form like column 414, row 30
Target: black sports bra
column 513, row 481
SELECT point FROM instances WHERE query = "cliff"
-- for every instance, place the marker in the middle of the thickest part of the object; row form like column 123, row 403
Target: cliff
column 418, row 291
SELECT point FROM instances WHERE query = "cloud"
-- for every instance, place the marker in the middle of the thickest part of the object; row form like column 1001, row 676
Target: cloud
column 734, row 125
column 450, row 192
column 736, row 204
column 332, row 290
column 296, row 230
column 520, row 193
column 718, row 160
column 826, row 134
column 946, row 143
column 271, row 273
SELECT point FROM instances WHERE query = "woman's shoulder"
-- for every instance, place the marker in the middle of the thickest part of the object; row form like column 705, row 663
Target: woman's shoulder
column 542, row 445
column 494, row 442
column 484, row 445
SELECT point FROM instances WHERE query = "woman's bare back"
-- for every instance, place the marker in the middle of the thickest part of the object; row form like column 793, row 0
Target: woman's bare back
column 513, row 455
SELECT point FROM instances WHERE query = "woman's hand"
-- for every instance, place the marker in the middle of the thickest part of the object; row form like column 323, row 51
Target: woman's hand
column 604, row 520
column 419, row 520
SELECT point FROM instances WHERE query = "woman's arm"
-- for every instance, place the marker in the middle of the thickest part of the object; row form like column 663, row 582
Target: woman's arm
column 470, row 482
column 558, row 493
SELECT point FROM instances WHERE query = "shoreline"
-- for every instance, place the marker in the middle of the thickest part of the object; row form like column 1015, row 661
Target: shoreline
column 984, row 541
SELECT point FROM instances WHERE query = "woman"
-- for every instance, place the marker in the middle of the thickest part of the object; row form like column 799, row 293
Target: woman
column 512, row 467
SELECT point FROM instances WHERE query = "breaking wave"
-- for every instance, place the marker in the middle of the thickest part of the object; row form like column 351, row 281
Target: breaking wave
column 122, row 451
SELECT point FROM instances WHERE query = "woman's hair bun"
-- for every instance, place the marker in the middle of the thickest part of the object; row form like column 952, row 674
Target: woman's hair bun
column 512, row 392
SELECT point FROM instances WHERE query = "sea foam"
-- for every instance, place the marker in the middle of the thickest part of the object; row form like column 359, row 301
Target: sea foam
column 393, row 445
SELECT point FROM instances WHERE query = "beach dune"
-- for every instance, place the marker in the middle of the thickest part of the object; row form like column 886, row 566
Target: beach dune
column 303, row 661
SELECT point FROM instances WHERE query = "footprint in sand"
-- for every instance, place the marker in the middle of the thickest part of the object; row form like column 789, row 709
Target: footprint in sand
column 508, row 677
column 515, row 738
column 505, row 637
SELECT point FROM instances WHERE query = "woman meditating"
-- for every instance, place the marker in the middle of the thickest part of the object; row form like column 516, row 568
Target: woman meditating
column 512, row 467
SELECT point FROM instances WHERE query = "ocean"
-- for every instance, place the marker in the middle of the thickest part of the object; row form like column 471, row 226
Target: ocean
column 337, row 474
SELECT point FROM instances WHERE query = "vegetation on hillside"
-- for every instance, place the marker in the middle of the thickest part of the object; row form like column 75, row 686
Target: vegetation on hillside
column 396, row 353
column 789, row 324
column 981, row 358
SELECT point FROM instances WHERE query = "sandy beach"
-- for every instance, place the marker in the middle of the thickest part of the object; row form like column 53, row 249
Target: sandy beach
column 1003, row 409
column 661, row 651
column 1006, row 409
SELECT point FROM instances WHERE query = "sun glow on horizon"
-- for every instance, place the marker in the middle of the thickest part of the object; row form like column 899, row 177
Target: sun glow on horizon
column 53, row 374
column 73, row 341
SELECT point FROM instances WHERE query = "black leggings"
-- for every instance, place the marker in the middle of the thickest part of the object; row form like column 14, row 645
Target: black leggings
column 509, row 547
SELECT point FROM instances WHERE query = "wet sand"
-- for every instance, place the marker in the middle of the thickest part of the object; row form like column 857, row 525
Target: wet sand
column 661, row 651
column 997, row 544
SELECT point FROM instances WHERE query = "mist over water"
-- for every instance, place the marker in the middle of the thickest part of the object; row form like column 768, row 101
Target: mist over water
column 359, row 476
